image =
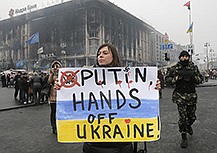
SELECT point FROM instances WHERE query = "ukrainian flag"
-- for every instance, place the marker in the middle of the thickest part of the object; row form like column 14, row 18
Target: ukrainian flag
column 190, row 29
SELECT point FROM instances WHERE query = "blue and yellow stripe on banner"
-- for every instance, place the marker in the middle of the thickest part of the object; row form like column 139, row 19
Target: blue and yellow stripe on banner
column 90, row 123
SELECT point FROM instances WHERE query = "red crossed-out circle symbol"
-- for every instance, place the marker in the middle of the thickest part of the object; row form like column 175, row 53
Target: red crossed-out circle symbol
column 69, row 79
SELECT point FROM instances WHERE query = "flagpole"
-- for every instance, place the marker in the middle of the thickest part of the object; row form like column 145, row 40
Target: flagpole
column 191, row 33
column 39, row 55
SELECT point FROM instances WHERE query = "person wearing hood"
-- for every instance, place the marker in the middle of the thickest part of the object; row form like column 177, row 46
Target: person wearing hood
column 53, row 93
column 185, row 75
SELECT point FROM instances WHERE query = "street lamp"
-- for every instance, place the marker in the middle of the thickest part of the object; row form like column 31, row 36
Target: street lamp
column 207, row 56
column 211, row 56
column 63, row 52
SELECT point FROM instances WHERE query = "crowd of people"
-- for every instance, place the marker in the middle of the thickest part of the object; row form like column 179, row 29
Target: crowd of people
column 28, row 87
column 7, row 79
column 213, row 74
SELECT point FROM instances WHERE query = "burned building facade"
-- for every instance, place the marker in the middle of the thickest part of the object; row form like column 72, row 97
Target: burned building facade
column 73, row 31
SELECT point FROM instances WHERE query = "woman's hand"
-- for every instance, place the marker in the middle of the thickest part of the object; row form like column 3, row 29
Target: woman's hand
column 57, row 86
column 158, row 85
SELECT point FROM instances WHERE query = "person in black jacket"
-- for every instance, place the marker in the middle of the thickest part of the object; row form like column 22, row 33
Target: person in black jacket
column 24, row 85
column 45, row 88
column 17, row 80
column 3, row 79
column 160, row 76
column 185, row 75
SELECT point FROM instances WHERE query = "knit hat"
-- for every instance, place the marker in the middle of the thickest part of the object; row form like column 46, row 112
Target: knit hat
column 184, row 53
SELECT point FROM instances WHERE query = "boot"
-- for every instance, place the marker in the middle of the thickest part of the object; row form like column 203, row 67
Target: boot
column 184, row 142
column 189, row 130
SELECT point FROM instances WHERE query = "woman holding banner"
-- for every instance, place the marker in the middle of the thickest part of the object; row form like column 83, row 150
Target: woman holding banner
column 107, row 56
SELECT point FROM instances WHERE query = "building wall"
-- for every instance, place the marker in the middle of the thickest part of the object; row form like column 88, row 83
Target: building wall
column 82, row 26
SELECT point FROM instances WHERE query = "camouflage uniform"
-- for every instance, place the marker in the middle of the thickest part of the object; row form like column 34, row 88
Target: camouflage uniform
column 184, row 95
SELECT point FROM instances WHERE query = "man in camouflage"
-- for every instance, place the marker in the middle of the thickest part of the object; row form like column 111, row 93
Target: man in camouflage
column 185, row 75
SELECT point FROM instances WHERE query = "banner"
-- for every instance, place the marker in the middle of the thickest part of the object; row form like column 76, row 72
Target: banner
column 118, row 104
column 190, row 29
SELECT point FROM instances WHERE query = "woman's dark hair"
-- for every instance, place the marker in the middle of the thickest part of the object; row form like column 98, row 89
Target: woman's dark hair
column 116, row 58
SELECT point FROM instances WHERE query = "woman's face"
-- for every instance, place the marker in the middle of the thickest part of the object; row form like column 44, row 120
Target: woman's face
column 56, row 67
column 104, row 56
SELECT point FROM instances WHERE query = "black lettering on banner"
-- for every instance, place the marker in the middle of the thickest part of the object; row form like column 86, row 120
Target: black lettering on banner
column 149, row 129
column 158, row 125
column 75, row 103
column 138, row 73
column 128, row 130
column 111, row 117
column 119, row 106
column 106, row 99
column 106, row 131
column 134, row 97
column 100, row 117
column 103, row 81
column 94, row 131
column 92, row 100
column 85, row 74
column 126, row 78
column 115, row 73
column 137, row 129
column 91, row 118
column 80, row 134
column 117, row 131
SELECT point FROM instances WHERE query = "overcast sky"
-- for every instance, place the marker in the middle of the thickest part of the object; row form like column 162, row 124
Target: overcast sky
column 164, row 15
